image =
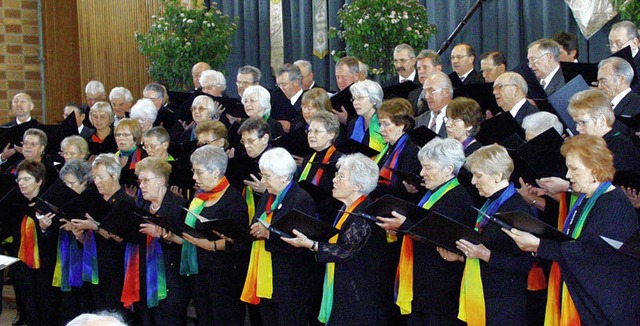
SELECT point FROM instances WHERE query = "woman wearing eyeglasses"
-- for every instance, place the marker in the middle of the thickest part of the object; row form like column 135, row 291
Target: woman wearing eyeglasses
column 367, row 98
column 281, row 280
column 215, row 268
column 156, row 142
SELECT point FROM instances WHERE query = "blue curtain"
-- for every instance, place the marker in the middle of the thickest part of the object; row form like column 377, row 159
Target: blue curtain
column 505, row 25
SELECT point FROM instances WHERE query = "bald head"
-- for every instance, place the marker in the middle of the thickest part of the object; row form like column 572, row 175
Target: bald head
column 197, row 70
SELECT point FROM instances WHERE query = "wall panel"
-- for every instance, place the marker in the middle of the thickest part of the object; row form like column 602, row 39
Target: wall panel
column 108, row 50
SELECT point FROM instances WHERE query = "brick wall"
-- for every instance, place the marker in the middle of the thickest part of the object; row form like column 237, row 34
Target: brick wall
column 19, row 52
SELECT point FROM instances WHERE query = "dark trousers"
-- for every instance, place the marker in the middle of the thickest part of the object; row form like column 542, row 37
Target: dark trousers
column 289, row 313
column 34, row 292
column 216, row 295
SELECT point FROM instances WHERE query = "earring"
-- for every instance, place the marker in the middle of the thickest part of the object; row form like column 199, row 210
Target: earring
column 497, row 180
column 595, row 180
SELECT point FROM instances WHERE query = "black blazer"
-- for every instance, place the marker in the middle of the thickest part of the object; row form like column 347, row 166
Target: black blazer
column 294, row 269
column 556, row 83
column 395, row 80
column 526, row 109
column 474, row 77
column 629, row 105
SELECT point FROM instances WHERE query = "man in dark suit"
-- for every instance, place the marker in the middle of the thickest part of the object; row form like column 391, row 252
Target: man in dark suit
column 306, row 69
column 492, row 65
column 510, row 91
column 438, row 93
column 21, row 107
column 463, row 58
column 196, row 72
column 121, row 101
column 84, row 131
column 544, row 59
column 614, row 79
column 623, row 34
column 404, row 60
column 427, row 62
column 569, row 50
column 289, row 80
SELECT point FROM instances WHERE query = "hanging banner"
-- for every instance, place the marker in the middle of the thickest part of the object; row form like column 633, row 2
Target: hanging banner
column 591, row 15
column 320, row 29
column 277, row 38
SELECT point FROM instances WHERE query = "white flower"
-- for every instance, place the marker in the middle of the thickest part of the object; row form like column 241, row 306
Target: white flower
column 366, row 16
column 182, row 14
column 184, row 20
column 394, row 21
column 208, row 24
column 408, row 28
column 153, row 16
column 360, row 21
column 405, row 15
column 393, row 13
column 333, row 52
column 366, row 45
column 188, row 44
column 189, row 21
column 218, row 12
column 161, row 18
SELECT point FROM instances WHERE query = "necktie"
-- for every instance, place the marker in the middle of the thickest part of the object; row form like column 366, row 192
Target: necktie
column 432, row 124
column 462, row 78
column 402, row 80
column 543, row 84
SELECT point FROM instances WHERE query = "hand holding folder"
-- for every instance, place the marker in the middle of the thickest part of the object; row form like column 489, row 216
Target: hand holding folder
column 303, row 223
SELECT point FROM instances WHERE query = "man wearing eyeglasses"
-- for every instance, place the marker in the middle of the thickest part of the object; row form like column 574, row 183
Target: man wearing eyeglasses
column 289, row 81
column 544, row 59
column 438, row 92
column 623, row 34
column 510, row 90
column 614, row 79
column 463, row 58
column 404, row 60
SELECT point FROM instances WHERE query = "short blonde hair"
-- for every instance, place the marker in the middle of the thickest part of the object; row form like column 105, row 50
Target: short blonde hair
column 133, row 126
column 493, row 159
column 594, row 103
column 77, row 141
column 155, row 165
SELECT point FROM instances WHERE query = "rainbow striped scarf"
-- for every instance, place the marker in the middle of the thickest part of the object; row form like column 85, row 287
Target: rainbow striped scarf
column 320, row 171
column 68, row 269
column 561, row 309
column 329, row 275
column 259, row 281
column 386, row 175
column 29, row 252
column 137, row 156
column 249, row 198
column 90, row 259
column 376, row 141
column 189, row 254
column 472, row 305
column 156, row 280
column 404, row 273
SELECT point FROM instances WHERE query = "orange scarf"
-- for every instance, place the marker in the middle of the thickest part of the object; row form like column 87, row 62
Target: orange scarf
column 29, row 252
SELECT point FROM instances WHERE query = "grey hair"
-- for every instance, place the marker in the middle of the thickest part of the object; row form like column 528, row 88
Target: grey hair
column 491, row 159
column 121, row 92
column 278, row 161
column 264, row 98
column 368, row 88
column 517, row 79
column 629, row 27
column 363, row 171
column 444, row 152
column 76, row 141
column 213, row 78
column 211, row 157
column 94, row 87
column 405, row 47
column 295, row 75
column 329, row 120
column 159, row 132
column 102, row 106
column 547, row 45
column 110, row 162
column 106, row 317
column 304, row 66
column 442, row 80
column 620, row 67
column 540, row 122
column 80, row 169
column 212, row 106
column 433, row 55
column 144, row 109
column 251, row 70
column 155, row 87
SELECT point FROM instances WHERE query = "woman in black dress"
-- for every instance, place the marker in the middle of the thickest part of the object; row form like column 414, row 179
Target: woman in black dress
column 280, row 278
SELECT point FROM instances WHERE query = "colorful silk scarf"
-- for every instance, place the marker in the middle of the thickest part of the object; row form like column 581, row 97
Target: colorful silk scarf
column 137, row 156
column 156, row 281
column 29, row 252
column 561, row 309
column 329, row 275
column 376, row 141
column 404, row 273
column 131, row 285
column 96, row 139
column 472, row 305
column 90, row 259
column 386, row 174
column 259, row 281
column 247, row 193
column 320, row 171
column 189, row 254
column 68, row 269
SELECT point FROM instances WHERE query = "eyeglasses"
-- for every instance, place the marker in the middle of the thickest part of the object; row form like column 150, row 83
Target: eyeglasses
column 499, row 87
column 315, row 131
column 250, row 100
column 101, row 177
column 151, row 146
column 535, row 59
column 70, row 184
column 122, row 134
column 240, row 82
column 447, row 119
column 618, row 44
column 30, row 144
column 582, row 122
column 208, row 142
column 427, row 92
column 283, row 85
column 385, row 124
column 248, row 141
column 198, row 108
column 68, row 154
column 339, row 176
column 308, row 108
column 141, row 181
column 200, row 172
column 358, row 98
column 458, row 57
column 25, row 179
column 400, row 61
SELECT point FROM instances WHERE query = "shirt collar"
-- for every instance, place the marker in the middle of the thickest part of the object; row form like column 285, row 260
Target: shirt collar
column 411, row 77
column 514, row 110
column 295, row 97
column 549, row 77
column 619, row 97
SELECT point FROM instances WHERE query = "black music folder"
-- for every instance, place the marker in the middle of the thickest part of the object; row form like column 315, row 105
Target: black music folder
column 408, row 177
column 631, row 247
column 421, row 135
column 498, row 128
column 442, row 231
column 560, row 100
column 351, row 146
column 229, row 227
column 343, row 99
column 62, row 201
column 525, row 222
column 388, row 203
column 56, row 133
column 178, row 227
column 481, row 93
column 13, row 134
column 94, row 204
column 400, row 90
column 308, row 225
column 542, row 157
column 124, row 221
column 588, row 71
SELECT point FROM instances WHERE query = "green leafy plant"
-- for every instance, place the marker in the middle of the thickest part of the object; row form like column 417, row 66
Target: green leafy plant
column 180, row 37
column 372, row 28
column 628, row 9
